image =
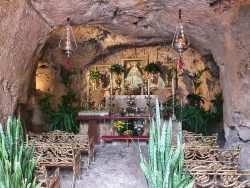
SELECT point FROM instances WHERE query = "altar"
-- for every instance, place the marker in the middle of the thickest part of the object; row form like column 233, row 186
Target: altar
column 121, row 102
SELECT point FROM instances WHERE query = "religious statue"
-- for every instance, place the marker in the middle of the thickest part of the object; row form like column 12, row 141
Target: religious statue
column 133, row 79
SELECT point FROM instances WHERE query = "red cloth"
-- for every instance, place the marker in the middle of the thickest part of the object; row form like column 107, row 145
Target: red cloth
column 180, row 63
column 68, row 65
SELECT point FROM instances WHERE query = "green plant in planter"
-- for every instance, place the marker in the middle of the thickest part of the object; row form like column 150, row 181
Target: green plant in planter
column 95, row 74
column 17, row 164
column 153, row 67
column 164, row 168
column 116, row 68
column 65, row 117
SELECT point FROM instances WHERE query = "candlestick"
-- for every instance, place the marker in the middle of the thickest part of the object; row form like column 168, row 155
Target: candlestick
column 111, row 85
column 173, row 93
column 87, row 75
column 148, row 87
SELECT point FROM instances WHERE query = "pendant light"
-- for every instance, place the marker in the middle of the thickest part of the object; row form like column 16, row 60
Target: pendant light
column 66, row 42
column 180, row 41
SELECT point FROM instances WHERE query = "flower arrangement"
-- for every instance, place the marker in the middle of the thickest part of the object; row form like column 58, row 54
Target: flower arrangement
column 128, row 133
column 139, row 128
column 119, row 125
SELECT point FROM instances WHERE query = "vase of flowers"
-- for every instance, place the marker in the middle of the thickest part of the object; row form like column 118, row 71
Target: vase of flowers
column 119, row 126
column 139, row 128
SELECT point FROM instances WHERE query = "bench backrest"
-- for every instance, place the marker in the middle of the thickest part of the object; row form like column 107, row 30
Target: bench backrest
column 50, row 154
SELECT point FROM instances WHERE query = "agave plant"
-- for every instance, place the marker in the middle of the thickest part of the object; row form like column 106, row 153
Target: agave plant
column 17, row 163
column 164, row 168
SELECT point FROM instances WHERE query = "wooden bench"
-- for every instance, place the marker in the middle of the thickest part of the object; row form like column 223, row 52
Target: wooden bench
column 127, row 138
column 52, row 181
column 59, row 155
column 83, row 142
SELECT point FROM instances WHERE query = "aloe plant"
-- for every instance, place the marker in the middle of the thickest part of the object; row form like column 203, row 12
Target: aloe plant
column 164, row 167
column 17, row 163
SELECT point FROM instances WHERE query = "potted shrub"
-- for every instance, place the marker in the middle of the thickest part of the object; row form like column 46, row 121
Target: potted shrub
column 116, row 69
column 153, row 67
column 94, row 74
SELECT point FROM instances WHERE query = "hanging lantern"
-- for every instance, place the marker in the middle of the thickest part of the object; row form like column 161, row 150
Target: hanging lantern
column 65, row 43
column 180, row 41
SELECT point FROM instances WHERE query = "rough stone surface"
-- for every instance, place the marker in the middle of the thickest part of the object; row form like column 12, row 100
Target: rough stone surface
column 22, row 34
column 217, row 27
column 115, row 167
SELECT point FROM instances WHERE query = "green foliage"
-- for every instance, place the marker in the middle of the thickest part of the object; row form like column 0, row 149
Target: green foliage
column 164, row 168
column 45, row 103
column 194, row 119
column 65, row 117
column 153, row 67
column 195, row 78
column 216, row 114
column 195, row 99
column 17, row 163
column 116, row 68
column 170, row 72
column 95, row 74
column 67, row 76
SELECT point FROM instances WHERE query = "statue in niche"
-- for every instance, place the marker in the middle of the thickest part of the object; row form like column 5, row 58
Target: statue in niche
column 133, row 79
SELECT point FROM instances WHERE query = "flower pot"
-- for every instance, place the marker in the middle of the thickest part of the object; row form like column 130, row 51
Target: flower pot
column 140, row 132
column 120, row 133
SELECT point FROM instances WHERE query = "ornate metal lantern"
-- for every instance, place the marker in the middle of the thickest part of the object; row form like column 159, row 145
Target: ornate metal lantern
column 65, row 42
column 180, row 41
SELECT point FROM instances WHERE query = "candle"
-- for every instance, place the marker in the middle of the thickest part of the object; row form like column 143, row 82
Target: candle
column 173, row 93
column 87, row 75
column 148, row 87
column 111, row 85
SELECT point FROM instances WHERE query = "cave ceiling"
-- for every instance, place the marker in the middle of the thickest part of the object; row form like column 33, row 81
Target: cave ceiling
column 139, row 22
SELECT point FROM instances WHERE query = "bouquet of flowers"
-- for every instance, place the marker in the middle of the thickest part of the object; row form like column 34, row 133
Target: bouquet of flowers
column 139, row 128
column 119, row 126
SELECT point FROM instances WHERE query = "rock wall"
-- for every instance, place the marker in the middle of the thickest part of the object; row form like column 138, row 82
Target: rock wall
column 22, row 34
column 234, row 62
column 220, row 28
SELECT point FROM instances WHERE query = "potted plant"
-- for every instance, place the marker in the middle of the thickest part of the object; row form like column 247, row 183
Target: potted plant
column 116, row 69
column 64, row 117
column 94, row 74
column 153, row 67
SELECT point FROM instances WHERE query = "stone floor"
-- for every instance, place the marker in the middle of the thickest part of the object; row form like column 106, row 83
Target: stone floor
column 116, row 166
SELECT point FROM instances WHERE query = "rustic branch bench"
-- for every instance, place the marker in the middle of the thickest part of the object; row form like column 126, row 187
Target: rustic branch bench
column 80, row 141
column 52, row 181
column 127, row 138
column 59, row 155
